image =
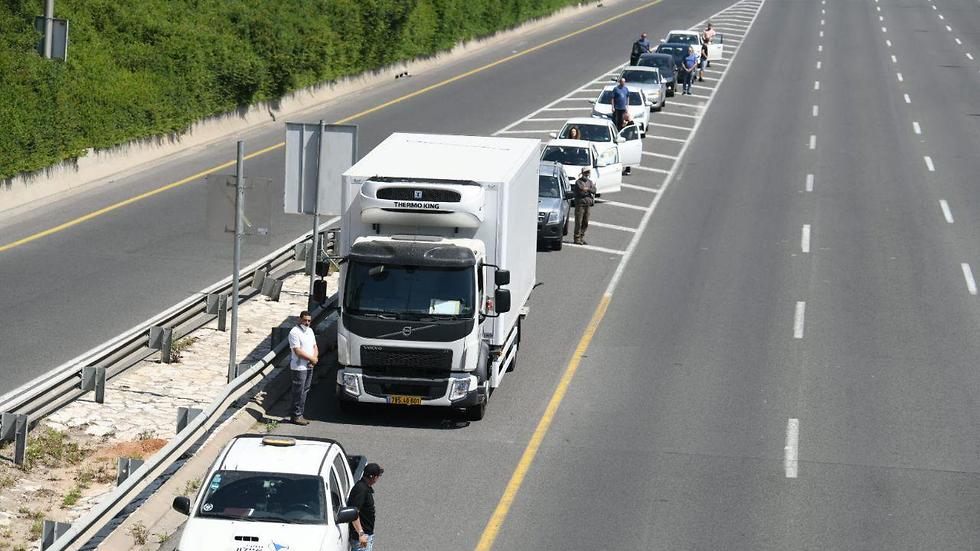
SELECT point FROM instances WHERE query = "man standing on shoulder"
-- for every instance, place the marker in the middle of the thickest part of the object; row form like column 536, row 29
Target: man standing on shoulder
column 362, row 498
column 305, row 355
column 585, row 192
column 621, row 102
column 708, row 37
column 640, row 47
column 690, row 63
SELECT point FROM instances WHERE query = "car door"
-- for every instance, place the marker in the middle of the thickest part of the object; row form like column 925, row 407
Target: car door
column 715, row 48
column 608, row 170
column 631, row 150
column 338, row 488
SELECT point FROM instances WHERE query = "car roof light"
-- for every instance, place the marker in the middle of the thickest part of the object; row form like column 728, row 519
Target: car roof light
column 278, row 441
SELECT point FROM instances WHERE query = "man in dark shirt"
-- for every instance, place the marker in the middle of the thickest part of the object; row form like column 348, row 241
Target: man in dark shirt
column 362, row 497
column 584, row 191
column 640, row 47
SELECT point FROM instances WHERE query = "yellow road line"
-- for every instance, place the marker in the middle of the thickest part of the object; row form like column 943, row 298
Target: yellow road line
column 131, row 200
column 516, row 479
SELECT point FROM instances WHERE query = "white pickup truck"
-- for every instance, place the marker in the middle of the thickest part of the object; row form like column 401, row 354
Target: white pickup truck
column 267, row 492
column 715, row 49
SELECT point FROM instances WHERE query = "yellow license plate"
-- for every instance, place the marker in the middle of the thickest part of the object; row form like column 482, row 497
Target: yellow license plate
column 405, row 400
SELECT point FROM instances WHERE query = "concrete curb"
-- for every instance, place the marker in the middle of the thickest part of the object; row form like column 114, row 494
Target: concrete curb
column 106, row 166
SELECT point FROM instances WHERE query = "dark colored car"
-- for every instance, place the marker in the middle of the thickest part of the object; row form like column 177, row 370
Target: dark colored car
column 675, row 50
column 553, row 205
column 667, row 66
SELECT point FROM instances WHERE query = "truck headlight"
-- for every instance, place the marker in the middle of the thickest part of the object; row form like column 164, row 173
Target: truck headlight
column 351, row 384
column 553, row 217
column 458, row 388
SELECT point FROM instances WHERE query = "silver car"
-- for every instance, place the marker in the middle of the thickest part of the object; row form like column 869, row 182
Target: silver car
column 553, row 204
column 647, row 79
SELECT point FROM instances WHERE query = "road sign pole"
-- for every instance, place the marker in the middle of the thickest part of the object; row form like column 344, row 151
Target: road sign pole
column 48, row 28
column 239, row 209
column 315, row 251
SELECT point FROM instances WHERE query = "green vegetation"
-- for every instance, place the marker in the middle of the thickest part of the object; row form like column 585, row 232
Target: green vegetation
column 151, row 68
column 52, row 448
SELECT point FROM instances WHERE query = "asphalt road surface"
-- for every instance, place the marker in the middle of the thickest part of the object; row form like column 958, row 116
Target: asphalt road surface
column 782, row 350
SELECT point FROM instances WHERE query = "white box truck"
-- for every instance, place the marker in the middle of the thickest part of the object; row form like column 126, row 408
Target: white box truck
column 438, row 245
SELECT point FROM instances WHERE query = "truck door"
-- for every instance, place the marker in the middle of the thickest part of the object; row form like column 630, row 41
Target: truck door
column 608, row 170
column 631, row 151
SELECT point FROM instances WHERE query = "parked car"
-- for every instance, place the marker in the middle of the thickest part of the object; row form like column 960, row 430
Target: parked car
column 554, row 193
column 603, row 133
column 665, row 63
column 693, row 38
column 638, row 107
column 647, row 79
column 574, row 155
column 675, row 50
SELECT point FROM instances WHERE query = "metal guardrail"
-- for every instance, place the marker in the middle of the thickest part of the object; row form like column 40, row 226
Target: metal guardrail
column 68, row 382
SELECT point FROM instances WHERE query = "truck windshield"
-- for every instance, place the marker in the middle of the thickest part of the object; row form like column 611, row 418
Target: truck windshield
column 409, row 292
column 264, row 497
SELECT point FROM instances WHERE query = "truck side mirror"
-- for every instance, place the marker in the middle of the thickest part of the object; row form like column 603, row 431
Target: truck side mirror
column 346, row 514
column 182, row 504
column 501, row 301
column 501, row 278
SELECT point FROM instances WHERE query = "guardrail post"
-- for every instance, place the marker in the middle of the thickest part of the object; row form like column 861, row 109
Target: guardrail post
column 19, row 423
column 93, row 378
column 301, row 250
column 162, row 339
column 51, row 531
column 271, row 287
column 218, row 306
column 258, row 278
column 125, row 467
column 185, row 415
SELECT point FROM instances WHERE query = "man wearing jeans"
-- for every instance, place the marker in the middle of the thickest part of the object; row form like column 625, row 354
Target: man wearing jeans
column 690, row 64
column 305, row 355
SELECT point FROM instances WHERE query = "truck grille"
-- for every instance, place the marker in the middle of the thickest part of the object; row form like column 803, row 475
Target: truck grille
column 426, row 391
column 409, row 194
column 406, row 362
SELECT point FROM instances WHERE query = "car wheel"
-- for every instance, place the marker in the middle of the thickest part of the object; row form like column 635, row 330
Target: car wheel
column 564, row 231
column 477, row 412
column 347, row 407
column 556, row 244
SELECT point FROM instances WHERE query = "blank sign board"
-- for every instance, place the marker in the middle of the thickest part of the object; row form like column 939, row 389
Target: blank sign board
column 336, row 150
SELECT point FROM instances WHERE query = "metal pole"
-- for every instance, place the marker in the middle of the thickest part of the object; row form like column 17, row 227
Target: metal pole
column 239, row 209
column 48, row 27
column 315, row 252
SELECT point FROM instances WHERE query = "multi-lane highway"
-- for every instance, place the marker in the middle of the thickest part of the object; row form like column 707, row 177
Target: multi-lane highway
column 769, row 342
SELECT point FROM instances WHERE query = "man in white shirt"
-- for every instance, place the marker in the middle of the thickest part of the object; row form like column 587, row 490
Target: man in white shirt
column 305, row 355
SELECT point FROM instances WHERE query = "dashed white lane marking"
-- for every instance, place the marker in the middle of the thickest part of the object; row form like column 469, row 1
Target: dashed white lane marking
column 823, row 11
column 878, row 8
column 888, row 43
column 622, row 205
column 970, row 56
column 805, row 239
column 948, row 28
column 935, row 8
column 929, row 165
column 648, row 169
column 819, row 47
column 809, row 183
column 881, row 18
column 816, row 110
column 611, row 226
column 661, row 155
column 821, row 34
column 959, row 42
column 947, row 214
column 798, row 320
column 813, row 141
column 907, row 98
column 894, row 59
column 884, row 29
column 941, row 16
column 822, row 22
column 916, row 128
column 816, row 85
column 971, row 285
column 641, row 188
column 900, row 77
column 819, row 64
column 791, row 462
column 597, row 249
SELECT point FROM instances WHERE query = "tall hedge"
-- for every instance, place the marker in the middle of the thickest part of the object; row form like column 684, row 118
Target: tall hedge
column 152, row 67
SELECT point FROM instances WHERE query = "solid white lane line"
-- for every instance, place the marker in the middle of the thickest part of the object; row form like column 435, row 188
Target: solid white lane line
column 809, row 182
column 611, row 226
column 648, row 169
column 597, row 249
column 816, row 110
column 698, row 96
column 813, row 141
column 929, row 165
column 900, row 77
column 621, row 205
column 907, row 98
column 798, row 320
column 816, row 85
column 805, row 239
column 545, row 120
column 686, row 116
column 916, row 128
column 894, row 59
column 971, row 284
column 652, row 154
column 791, row 463
column 542, row 131
column 819, row 63
column 564, row 109
column 674, row 126
column 947, row 214
column 640, row 188
column 667, row 138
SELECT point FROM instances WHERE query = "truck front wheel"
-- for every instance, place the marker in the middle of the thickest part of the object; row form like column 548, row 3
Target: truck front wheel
column 476, row 413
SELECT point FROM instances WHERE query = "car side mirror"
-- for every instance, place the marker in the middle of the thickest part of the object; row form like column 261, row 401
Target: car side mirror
column 592, row 101
column 553, row 134
column 501, row 278
column 620, row 139
column 598, row 195
column 501, row 301
column 182, row 504
column 663, row 40
column 614, row 79
column 346, row 514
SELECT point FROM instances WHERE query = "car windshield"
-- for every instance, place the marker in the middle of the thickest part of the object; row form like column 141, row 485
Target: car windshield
column 587, row 132
column 606, row 98
column 264, row 497
column 676, row 51
column 642, row 77
column 663, row 63
column 548, row 187
column 409, row 292
column 578, row 156
column 683, row 39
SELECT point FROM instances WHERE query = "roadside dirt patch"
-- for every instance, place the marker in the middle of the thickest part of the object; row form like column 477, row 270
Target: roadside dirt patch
column 140, row 449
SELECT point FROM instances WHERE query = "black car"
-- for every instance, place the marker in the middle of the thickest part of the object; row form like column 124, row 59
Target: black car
column 665, row 63
column 677, row 51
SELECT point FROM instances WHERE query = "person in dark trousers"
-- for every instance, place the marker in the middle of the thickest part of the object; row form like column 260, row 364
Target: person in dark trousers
column 621, row 102
column 708, row 36
column 362, row 498
column 640, row 47
column 690, row 63
column 303, row 357
column 584, row 191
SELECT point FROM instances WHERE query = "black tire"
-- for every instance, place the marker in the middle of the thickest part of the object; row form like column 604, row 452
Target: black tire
column 476, row 413
column 556, row 244
column 564, row 230
column 347, row 407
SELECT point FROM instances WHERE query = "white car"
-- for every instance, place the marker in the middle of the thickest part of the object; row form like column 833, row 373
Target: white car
column 268, row 492
column 646, row 79
column 715, row 49
column 602, row 133
column 638, row 107
column 574, row 155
